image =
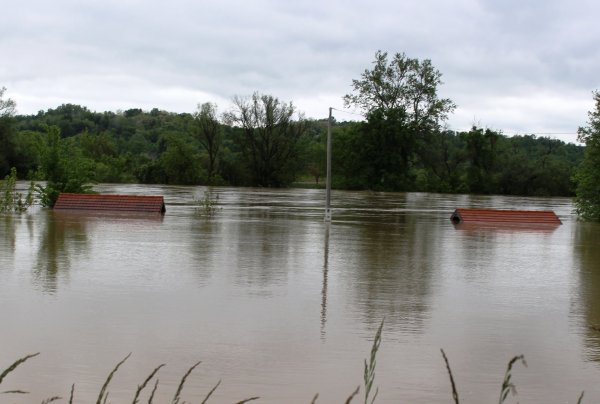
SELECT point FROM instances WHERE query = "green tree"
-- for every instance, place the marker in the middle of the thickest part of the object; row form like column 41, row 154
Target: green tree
column 8, row 106
column 588, row 175
column 64, row 168
column 399, row 98
column 348, row 167
column 482, row 154
column 207, row 130
column 387, row 148
column 443, row 164
column 28, row 147
column 7, row 111
column 535, row 166
column 70, row 119
column 179, row 162
column 270, row 138
column 406, row 84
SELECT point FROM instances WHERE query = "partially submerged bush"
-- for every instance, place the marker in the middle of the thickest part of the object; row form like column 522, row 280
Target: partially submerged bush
column 10, row 199
column 207, row 206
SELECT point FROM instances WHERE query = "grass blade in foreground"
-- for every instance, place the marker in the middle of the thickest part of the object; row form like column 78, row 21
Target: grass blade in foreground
column 454, row 392
column 247, row 400
column 370, row 367
column 14, row 365
column 354, row 393
column 143, row 385
column 211, row 392
column 51, row 399
column 180, row 388
column 507, row 385
column 153, row 391
column 103, row 394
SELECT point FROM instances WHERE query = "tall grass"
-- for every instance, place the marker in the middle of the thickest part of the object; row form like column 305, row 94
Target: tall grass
column 507, row 385
column 104, row 392
column 369, row 374
column 454, row 392
column 12, row 368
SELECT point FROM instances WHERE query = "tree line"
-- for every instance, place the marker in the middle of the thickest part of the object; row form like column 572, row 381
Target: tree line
column 401, row 145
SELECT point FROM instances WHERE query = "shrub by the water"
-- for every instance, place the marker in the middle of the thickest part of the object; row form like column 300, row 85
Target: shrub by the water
column 10, row 199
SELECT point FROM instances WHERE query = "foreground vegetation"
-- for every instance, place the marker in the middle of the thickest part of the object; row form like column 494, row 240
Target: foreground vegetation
column 370, row 396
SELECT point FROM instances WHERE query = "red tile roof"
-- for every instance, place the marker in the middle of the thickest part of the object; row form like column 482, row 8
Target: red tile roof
column 117, row 203
column 463, row 215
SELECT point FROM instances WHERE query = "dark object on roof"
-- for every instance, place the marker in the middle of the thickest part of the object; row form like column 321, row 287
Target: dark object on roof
column 113, row 203
column 497, row 216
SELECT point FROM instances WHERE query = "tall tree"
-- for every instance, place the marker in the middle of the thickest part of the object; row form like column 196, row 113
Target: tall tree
column 8, row 106
column 402, row 83
column 399, row 98
column 588, row 175
column 179, row 161
column 7, row 111
column 388, row 143
column 482, row 154
column 207, row 130
column 270, row 140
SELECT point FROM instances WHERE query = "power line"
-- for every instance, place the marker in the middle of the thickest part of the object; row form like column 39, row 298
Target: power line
column 541, row 133
column 506, row 133
column 348, row 112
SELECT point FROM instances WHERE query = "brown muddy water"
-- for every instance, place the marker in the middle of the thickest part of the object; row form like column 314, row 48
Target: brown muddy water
column 278, row 304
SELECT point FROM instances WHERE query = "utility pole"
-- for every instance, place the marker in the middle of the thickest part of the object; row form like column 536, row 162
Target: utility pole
column 328, row 179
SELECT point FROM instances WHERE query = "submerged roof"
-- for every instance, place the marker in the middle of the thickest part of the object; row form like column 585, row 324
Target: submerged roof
column 115, row 203
column 499, row 216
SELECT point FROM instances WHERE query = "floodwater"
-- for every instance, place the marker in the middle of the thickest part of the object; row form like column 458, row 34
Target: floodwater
column 276, row 303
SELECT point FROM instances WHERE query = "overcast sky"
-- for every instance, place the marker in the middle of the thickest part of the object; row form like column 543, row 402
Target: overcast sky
column 513, row 65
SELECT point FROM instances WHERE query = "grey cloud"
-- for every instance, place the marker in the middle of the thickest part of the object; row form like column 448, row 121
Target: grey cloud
column 148, row 53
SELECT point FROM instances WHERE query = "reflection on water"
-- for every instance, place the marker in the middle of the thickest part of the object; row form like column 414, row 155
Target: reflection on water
column 280, row 304
column 389, row 270
column 7, row 235
column 61, row 236
column 325, row 274
column 587, row 251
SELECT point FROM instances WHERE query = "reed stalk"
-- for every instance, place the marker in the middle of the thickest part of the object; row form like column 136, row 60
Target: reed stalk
column 211, row 392
column 153, row 392
column 369, row 378
column 247, row 400
column 454, row 392
column 51, row 399
column 507, row 385
column 369, row 374
column 15, row 365
column 177, row 395
column 354, row 394
column 145, row 382
column 102, row 397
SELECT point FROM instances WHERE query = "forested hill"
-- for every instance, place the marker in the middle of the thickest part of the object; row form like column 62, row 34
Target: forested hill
column 250, row 148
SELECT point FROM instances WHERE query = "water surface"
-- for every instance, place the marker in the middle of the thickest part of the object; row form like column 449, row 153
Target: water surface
column 278, row 304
